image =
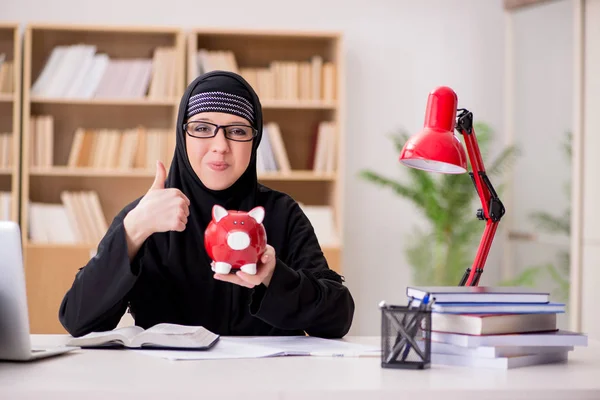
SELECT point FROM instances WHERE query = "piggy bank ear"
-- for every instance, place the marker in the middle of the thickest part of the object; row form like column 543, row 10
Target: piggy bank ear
column 258, row 213
column 218, row 213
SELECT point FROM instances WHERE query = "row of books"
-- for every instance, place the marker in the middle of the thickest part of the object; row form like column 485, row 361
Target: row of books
column 6, row 153
column 77, row 219
column 121, row 149
column 77, row 71
column 294, row 81
column 496, row 327
column 140, row 147
column 312, row 79
column 101, row 148
column 5, row 205
column 272, row 155
column 41, row 140
column 7, row 75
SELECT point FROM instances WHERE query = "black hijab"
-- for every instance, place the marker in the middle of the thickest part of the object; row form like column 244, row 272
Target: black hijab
column 185, row 270
column 242, row 194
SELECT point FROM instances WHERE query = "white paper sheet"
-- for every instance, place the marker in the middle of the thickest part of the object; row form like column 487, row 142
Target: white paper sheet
column 222, row 350
column 270, row 346
column 309, row 345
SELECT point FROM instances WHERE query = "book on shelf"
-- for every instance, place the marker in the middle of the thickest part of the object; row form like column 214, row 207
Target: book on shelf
column 135, row 148
column 6, row 152
column 266, row 161
column 313, row 79
column 41, row 141
column 77, row 219
column 324, row 154
column 160, row 336
column 322, row 220
column 7, row 75
column 5, row 206
column 212, row 60
column 272, row 133
column 273, row 157
column 78, row 71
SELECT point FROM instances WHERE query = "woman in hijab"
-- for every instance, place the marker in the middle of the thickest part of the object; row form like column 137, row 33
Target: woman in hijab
column 152, row 259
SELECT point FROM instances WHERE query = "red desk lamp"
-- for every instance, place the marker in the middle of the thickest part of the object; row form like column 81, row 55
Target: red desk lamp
column 437, row 149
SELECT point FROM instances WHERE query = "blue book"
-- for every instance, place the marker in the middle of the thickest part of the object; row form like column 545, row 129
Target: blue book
column 479, row 294
column 496, row 308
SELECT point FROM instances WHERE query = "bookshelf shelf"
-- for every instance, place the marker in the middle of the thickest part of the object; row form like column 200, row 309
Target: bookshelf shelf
column 7, row 98
column 59, row 246
column 66, row 172
column 109, row 102
column 62, row 171
column 298, row 76
column 305, row 104
column 99, row 109
column 267, row 104
column 297, row 176
column 10, row 120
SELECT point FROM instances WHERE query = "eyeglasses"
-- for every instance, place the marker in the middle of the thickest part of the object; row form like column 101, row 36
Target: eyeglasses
column 206, row 130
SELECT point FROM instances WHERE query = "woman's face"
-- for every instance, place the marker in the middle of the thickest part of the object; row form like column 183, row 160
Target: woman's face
column 218, row 161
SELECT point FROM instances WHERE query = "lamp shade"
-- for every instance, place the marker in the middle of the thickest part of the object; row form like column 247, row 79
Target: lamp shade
column 436, row 148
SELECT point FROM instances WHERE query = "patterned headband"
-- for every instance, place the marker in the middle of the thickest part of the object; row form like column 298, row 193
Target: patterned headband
column 220, row 102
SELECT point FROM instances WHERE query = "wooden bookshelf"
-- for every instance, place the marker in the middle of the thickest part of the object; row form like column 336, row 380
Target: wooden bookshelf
column 10, row 113
column 51, row 266
column 296, row 106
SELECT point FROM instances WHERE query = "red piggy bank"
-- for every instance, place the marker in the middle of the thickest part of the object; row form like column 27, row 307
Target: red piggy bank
column 235, row 239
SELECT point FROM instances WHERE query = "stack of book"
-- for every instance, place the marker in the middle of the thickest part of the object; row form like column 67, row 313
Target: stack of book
column 496, row 327
column 78, row 71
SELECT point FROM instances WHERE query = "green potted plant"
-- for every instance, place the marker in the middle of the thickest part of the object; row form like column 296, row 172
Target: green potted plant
column 440, row 254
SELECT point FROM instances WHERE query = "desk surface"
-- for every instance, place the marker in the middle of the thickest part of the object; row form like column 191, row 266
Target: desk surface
column 115, row 374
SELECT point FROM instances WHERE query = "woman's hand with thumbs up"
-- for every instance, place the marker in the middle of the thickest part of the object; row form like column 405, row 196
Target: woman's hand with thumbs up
column 160, row 210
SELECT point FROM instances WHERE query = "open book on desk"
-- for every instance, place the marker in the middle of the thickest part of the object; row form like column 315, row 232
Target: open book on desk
column 273, row 346
column 160, row 336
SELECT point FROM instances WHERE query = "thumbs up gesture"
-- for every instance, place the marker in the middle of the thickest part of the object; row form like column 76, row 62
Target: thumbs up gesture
column 161, row 209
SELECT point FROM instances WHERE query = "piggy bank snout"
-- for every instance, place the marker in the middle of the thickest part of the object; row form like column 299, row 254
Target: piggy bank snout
column 238, row 240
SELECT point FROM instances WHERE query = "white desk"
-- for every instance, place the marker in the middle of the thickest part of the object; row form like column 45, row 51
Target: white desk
column 122, row 374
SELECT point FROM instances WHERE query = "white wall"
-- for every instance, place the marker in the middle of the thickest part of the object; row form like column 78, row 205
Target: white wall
column 396, row 52
column 589, row 275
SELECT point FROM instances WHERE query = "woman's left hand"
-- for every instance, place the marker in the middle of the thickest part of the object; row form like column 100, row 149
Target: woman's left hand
column 264, row 272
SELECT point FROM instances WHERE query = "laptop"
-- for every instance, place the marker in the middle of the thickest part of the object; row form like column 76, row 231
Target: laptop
column 15, row 341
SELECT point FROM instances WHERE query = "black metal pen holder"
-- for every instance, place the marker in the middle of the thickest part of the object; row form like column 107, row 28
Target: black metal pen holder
column 405, row 337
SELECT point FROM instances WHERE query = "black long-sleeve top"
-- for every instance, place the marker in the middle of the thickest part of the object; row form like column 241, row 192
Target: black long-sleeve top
column 163, row 283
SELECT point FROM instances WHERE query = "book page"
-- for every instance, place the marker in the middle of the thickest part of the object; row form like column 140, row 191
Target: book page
column 176, row 336
column 122, row 335
column 174, row 329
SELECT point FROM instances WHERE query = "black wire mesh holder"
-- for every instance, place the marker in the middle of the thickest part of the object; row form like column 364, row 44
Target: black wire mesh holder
column 405, row 336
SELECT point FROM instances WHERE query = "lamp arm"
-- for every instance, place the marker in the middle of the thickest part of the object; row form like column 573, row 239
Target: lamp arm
column 492, row 208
